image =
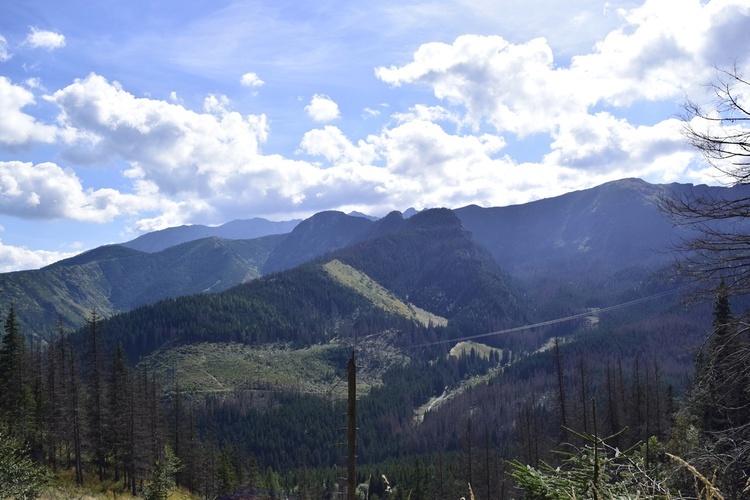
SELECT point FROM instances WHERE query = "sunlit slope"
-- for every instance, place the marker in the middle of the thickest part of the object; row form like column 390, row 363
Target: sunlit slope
column 379, row 296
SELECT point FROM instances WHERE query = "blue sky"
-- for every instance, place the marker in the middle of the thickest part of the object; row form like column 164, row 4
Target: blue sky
column 118, row 118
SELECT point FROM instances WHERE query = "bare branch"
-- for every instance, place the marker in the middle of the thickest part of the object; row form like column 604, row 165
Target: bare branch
column 718, row 225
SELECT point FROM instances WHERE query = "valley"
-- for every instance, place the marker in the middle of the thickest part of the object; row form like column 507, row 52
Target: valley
column 480, row 334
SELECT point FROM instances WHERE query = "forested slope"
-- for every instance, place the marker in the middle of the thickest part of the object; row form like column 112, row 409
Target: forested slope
column 114, row 279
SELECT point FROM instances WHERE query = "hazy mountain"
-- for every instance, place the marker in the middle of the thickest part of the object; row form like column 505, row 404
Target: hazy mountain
column 235, row 230
column 606, row 228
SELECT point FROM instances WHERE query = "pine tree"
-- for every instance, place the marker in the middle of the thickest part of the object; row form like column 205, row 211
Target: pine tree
column 162, row 476
column 13, row 380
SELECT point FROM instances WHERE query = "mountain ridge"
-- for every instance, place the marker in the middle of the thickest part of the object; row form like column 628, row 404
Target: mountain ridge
column 240, row 229
column 580, row 239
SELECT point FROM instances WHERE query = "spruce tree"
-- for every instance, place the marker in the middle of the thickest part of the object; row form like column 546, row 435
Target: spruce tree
column 13, row 376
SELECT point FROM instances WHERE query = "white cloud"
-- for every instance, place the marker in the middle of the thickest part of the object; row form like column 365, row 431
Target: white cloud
column 16, row 127
column 216, row 105
column 4, row 54
column 602, row 143
column 47, row 191
column 180, row 151
column 322, row 109
column 34, row 83
column 48, row 40
column 191, row 166
column 335, row 147
column 15, row 258
column 428, row 113
column 513, row 87
column 518, row 88
column 251, row 80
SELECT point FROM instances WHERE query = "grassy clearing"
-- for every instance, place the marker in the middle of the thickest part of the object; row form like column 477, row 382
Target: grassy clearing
column 381, row 297
column 319, row 369
column 64, row 487
column 481, row 350
column 449, row 393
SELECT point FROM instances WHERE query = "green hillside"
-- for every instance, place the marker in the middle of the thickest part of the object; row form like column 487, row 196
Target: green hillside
column 114, row 279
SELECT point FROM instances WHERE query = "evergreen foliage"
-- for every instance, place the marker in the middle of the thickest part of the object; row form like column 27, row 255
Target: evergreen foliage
column 162, row 476
column 20, row 477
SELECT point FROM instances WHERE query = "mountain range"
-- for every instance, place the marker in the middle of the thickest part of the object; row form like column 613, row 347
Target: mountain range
column 579, row 239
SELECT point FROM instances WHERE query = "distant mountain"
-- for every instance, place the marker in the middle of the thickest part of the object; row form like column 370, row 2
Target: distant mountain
column 430, row 262
column 409, row 212
column 602, row 229
column 113, row 279
column 235, row 230
column 360, row 214
column 313, row 237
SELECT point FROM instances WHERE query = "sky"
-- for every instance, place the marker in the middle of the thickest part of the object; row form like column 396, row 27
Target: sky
column 120, row 118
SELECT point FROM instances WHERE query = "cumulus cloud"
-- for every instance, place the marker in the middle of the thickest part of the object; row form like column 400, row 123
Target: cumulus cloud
column 603, row 143
column 513, row 87
column 4, row 54
column 47, row 191
column 518, row 88
column 193, row 166
column 322, row 109
column 16, row 127
column 181, row 151
column 48, row 40
column 334, row 146
column 15, row 258
column 251, row 80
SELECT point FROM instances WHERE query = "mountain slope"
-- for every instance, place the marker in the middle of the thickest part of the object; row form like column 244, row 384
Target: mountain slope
column 113, row 279
column 599, row 230
column 315, row 236
column 431, row 261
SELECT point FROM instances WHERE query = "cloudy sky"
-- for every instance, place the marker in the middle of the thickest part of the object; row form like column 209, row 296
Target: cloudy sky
column 118, row 118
